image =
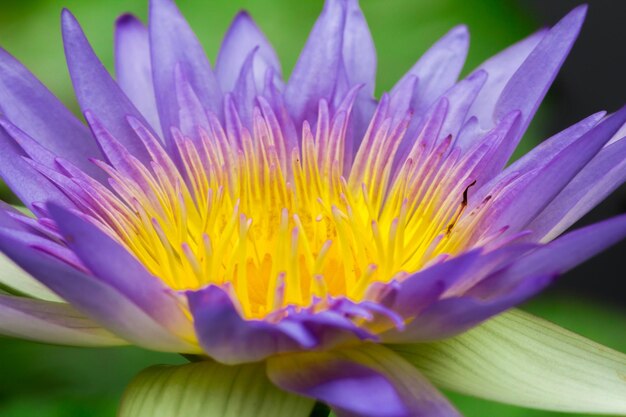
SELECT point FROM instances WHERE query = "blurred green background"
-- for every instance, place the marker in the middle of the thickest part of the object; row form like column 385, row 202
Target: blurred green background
column 38, row 380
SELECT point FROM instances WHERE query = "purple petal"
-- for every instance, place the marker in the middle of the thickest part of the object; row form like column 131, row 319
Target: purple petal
column 30, row 146
column 316, row 72
column 92, row 296
column 331, row 328
column 227, row 337
column 96, row 90
column 500, row 68
column 113, row 264
column 7, row 221
column 192, row 117
column 245, row 90
column 461, row 97
column 620, row 134
column 364, row 381
column 451, row 316
column 174, row 45
column 51, row 322
column 593, row 184
column 512, row 285
column 423, row 288
column 488, row 149
column 277, row 104
column 242, row 37
column 359, row 63
column 28, row 104
column 559, row 256
column 438, row 69
column 133, row 67
column 335, row 326
column 359, row 53
column 527, row 87
column 402, row 94
column 546, row 150
column 24, row 180
column 539, row 186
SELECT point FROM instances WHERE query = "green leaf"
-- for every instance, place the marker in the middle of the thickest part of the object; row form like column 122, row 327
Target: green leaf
column 207, row 389
column 520, row 359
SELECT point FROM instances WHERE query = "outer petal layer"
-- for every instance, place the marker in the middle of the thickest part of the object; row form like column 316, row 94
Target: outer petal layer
column 50, row 322
column 227, row 337
column 28, row 104
column 590, row 186
column 523, row 360
column 365, row 381
column 96, row 90
column 96, row 299
column 438, row 69
column 512, row 285
column 174, row 47
column 316, row 72
column 30, row 186
column 530, row 83
column 243, row 37
column 113, row 265
column 133, row 67
column 451, row 316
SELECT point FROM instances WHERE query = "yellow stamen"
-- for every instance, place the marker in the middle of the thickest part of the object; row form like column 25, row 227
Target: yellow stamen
column 278, row 227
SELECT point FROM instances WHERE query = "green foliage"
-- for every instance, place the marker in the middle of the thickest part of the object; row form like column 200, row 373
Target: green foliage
column 54, row 381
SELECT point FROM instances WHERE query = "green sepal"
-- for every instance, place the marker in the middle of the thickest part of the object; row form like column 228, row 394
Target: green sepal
column 521, row 359
column 209, row 389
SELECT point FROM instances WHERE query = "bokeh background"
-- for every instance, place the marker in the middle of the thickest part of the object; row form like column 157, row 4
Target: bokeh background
column 39, row 380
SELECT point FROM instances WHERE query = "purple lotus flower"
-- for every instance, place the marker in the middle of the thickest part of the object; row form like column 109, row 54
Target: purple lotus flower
column 228, row 213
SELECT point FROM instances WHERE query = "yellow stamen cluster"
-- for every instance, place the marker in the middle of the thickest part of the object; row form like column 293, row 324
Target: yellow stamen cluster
column 280, row 226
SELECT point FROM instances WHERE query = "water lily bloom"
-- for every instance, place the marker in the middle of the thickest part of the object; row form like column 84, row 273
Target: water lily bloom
column 302, row 233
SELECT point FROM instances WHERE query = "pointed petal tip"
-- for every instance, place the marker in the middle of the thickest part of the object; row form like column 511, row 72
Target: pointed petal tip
column 242, row 14
column 68, row 18
column 618, row 118
column 460, row 32
column 575, row 18
column 580, row 11
column 127, row 19
column 617, row 222
column 241, row 18
column 71, row 30
column 478, row 75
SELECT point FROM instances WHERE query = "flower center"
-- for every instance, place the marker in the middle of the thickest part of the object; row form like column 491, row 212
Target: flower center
column 284, row 227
